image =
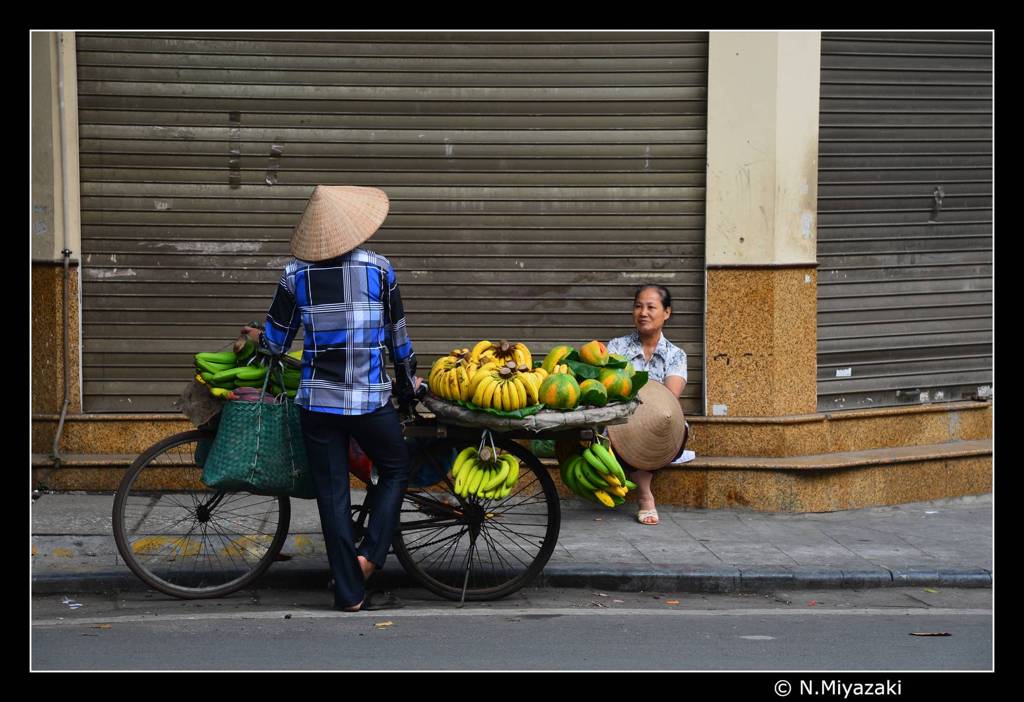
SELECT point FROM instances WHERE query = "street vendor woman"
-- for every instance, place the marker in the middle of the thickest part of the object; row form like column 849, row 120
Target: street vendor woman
column 648, row 350
column 347, row 300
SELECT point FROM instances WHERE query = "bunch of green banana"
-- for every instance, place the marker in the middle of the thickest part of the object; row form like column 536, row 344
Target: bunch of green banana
column 596, row 475
column 225, row 371
column 292, row 377
column 221, row 372
column 506, row 388
column 483, row 474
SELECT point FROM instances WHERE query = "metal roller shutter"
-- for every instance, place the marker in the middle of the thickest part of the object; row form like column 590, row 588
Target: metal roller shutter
column 535, row 178
column 905, row 234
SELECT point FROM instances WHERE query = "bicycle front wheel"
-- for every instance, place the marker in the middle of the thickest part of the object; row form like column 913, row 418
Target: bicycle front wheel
column 486, row 549
column 185, row 539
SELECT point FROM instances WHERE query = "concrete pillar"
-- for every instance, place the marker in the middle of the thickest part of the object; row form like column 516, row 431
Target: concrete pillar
column 761, row 319
column 53, row 53
column 53, row 156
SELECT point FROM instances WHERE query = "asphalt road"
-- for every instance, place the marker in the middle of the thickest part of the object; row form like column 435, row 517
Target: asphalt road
column 536, row 629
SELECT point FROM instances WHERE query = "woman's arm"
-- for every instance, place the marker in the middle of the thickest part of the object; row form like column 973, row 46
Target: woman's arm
column 283, row 320
column 397, row 338
column 676, row 384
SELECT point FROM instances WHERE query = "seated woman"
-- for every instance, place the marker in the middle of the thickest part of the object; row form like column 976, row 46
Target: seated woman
column 648, row 350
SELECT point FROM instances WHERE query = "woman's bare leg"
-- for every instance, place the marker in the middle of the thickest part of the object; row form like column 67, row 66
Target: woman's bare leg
column 645, row 497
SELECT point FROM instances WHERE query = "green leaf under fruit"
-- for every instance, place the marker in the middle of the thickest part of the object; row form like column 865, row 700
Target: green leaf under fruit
column 583, row 370
column 639, row 380
column 517, row 414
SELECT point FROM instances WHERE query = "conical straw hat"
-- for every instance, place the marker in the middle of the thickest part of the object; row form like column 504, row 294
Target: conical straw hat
column 337, row 219
column 653, row 436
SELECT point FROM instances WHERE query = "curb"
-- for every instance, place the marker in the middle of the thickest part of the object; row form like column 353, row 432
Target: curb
column 755, row 579
column 631, row 578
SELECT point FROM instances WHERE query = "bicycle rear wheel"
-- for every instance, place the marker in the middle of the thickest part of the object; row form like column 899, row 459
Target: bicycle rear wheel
column 490, row 548
column 185, row 539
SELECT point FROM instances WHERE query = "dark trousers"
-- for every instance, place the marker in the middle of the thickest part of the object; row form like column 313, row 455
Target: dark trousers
column 380, row 436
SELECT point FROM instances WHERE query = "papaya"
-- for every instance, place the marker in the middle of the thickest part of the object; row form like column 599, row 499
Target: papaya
column 617, row 383
column 593, row 392
column 630, row 370
column 559, row 391
column 595, row 353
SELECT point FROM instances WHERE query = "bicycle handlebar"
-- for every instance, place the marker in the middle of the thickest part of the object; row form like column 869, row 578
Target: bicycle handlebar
column 407, row 407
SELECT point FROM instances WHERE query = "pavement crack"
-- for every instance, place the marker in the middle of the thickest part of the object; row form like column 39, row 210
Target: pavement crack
column 916, row 599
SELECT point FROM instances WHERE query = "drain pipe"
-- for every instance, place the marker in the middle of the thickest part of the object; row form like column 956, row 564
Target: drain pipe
column 67, row 369
column 66, row 253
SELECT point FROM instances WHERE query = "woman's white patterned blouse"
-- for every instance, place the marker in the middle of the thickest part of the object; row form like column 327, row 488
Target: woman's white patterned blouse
column 667, row 359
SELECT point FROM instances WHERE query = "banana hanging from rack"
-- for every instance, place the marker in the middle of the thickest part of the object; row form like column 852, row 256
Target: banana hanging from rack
column 605, row 454
column 497, row 477
column 462, row 459
column 583, row 478
column 475, row 478
column 592, row 477
column 513, row 473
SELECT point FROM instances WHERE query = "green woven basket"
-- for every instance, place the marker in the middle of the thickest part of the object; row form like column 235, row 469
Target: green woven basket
column 259, row 449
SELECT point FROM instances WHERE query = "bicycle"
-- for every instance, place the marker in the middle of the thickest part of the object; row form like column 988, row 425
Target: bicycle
column 189, row 541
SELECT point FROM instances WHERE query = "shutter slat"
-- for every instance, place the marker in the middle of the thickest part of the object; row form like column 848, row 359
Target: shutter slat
column 904, row 287
column 535, row 179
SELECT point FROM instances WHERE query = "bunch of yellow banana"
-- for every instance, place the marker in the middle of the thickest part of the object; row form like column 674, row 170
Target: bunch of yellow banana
column 563, row 368
column 596, row 475
column 484, row 474
column 538, row 373
column 450, row 375
column 501, row 353
column 504, row 388
column 499, row 376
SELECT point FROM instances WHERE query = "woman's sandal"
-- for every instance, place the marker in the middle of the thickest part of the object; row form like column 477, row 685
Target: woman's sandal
column 644, row 515
column 375, row 600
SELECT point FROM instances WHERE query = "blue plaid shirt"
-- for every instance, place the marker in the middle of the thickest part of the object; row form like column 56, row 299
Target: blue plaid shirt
column 351, row 310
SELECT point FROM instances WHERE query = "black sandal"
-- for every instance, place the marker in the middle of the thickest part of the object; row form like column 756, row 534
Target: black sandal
column 381, row 599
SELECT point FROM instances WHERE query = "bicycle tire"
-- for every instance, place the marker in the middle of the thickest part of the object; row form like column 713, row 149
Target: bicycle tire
column 180, row 548
column 433, row 541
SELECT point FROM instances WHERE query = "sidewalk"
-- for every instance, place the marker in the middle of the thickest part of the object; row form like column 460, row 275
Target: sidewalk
column 941, row 543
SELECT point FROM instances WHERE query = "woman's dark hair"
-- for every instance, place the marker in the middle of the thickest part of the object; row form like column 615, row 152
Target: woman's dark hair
column 666, row 296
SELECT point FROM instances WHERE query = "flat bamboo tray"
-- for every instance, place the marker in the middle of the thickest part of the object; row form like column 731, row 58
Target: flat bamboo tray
column 545, row 420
